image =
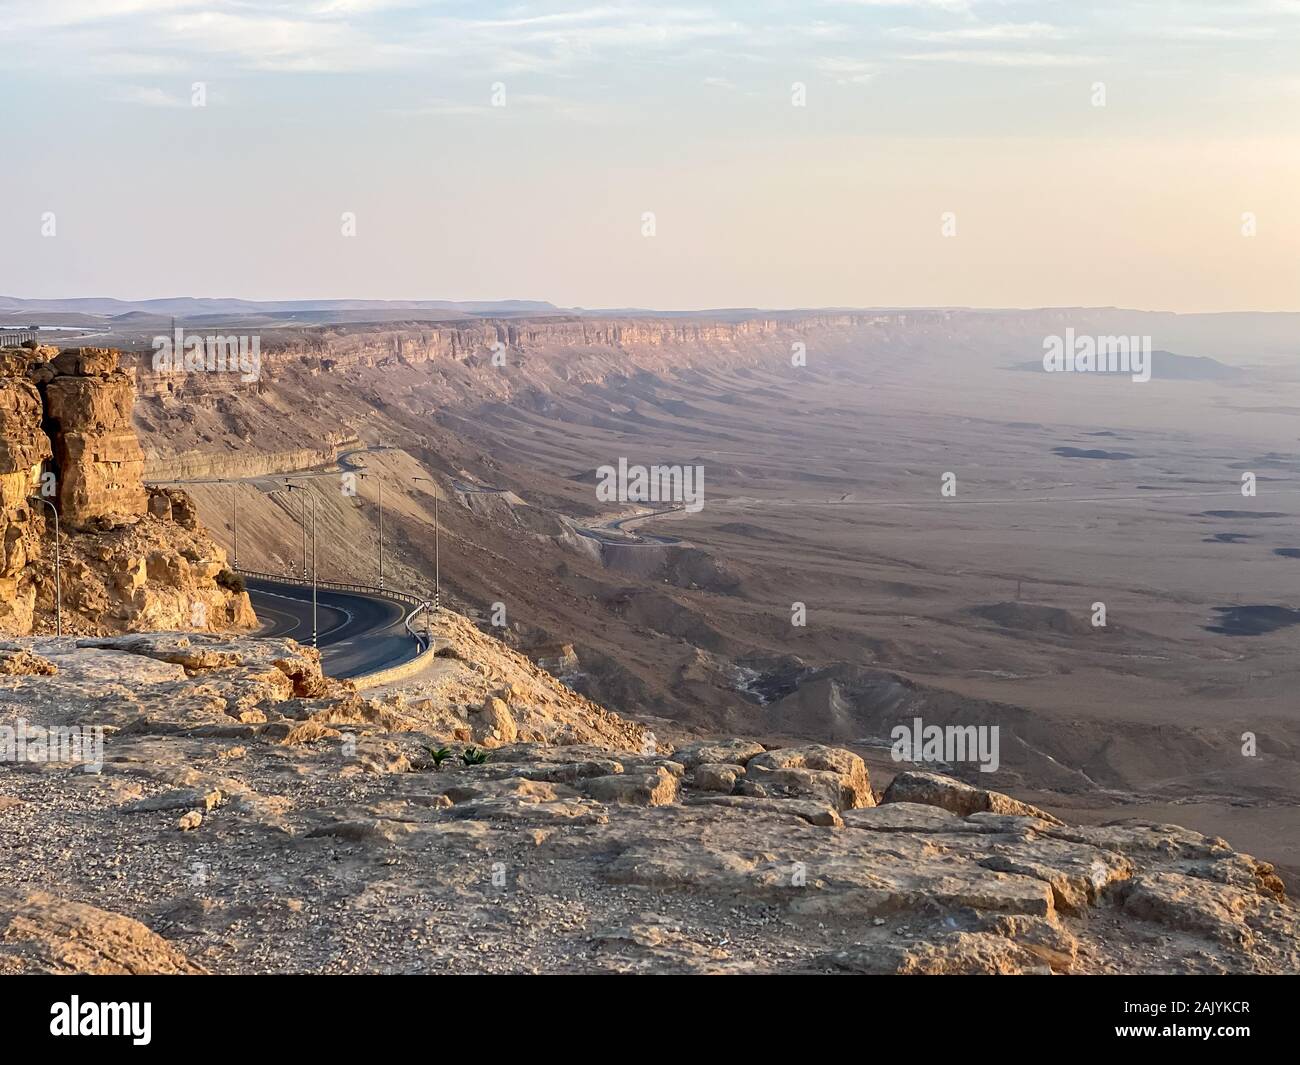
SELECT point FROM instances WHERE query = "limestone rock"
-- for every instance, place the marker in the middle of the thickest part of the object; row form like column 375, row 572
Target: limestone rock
column 904, row 817
column 98, row 457
column 815, row 813
column 655, row 788
column 41, row 933
column 954, row 954
column 932, row 789
column 714, row 776
column 495, row 722
column 131, row 559
column 814, row 771
column 19, row 662
column 178, row 799
column 726, row 752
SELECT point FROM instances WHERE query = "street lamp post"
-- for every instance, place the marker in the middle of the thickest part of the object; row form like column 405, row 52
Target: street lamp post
column 380, row 482
column 313, row 571
column 303, row 571
column 302, row 488
column 58, row 569
column 234, row 522
column 437, row 530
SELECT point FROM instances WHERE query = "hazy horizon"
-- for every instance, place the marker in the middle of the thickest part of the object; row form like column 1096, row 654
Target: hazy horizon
column 395, row 302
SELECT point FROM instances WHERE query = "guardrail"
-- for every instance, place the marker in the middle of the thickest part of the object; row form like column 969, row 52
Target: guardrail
column 417, row 602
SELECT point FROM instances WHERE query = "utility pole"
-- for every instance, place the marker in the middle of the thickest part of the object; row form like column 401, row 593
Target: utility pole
column 58, row 569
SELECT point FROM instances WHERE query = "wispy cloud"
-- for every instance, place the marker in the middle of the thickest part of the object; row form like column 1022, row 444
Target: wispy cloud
column 149, row 96
column 995, row 32
column 847, row 71
column 1005, row 59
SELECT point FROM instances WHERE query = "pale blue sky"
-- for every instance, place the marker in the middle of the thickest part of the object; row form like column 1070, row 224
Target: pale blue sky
column 913, row 109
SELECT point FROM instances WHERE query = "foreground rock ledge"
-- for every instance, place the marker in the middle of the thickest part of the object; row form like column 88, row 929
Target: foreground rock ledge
column 251, row 816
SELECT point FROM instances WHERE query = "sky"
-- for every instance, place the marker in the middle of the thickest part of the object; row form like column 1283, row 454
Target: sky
column 664, row 155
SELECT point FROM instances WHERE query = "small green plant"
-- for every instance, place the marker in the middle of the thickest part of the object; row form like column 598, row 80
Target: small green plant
column 439, row 755
column 473, row 756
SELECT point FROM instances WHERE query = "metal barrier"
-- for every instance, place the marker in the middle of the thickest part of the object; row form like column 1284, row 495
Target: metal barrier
column 419, row 603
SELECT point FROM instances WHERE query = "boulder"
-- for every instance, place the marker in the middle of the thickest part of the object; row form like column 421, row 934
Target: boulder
column 726, row 752
column 814, row 770
column 41, row 933
column 655, row 788
column 22, row 663
column 933, row 789
column 494, row 721
column 714, row 776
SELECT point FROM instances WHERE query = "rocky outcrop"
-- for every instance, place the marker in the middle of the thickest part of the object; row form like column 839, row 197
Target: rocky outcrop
column 239, row 788
column 41, row 933
column 488, row 694
column 933, row 789
column 813, row 771
column 130, row 559
column 24, row 448
column 98, row 462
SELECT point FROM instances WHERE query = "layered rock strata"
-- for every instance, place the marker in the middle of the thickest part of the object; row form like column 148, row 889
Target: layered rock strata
column 130, row 558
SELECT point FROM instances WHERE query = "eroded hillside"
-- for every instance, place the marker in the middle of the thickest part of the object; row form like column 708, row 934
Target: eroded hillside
column 822, row 440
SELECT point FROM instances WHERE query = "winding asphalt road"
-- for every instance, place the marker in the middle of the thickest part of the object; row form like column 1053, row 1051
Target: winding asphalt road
column 356, row 633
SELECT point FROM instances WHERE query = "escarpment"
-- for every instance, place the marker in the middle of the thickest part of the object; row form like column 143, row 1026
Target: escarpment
column 129, row 558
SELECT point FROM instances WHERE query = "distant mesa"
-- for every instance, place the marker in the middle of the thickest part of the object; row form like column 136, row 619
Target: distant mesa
column 1165, row 366
column 1089, row 453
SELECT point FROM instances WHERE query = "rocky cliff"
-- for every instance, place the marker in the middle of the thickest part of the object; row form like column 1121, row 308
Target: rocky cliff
column 130, row 558
column 246, row 814
column 97, row 458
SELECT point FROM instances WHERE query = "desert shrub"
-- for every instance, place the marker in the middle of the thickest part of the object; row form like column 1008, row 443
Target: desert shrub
column 230, row 580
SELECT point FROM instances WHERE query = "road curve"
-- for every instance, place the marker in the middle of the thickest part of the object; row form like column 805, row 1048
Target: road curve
column 356, row 633
column 618, row 531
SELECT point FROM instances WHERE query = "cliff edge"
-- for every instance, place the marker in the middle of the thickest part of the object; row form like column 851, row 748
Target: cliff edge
column 130, row 558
